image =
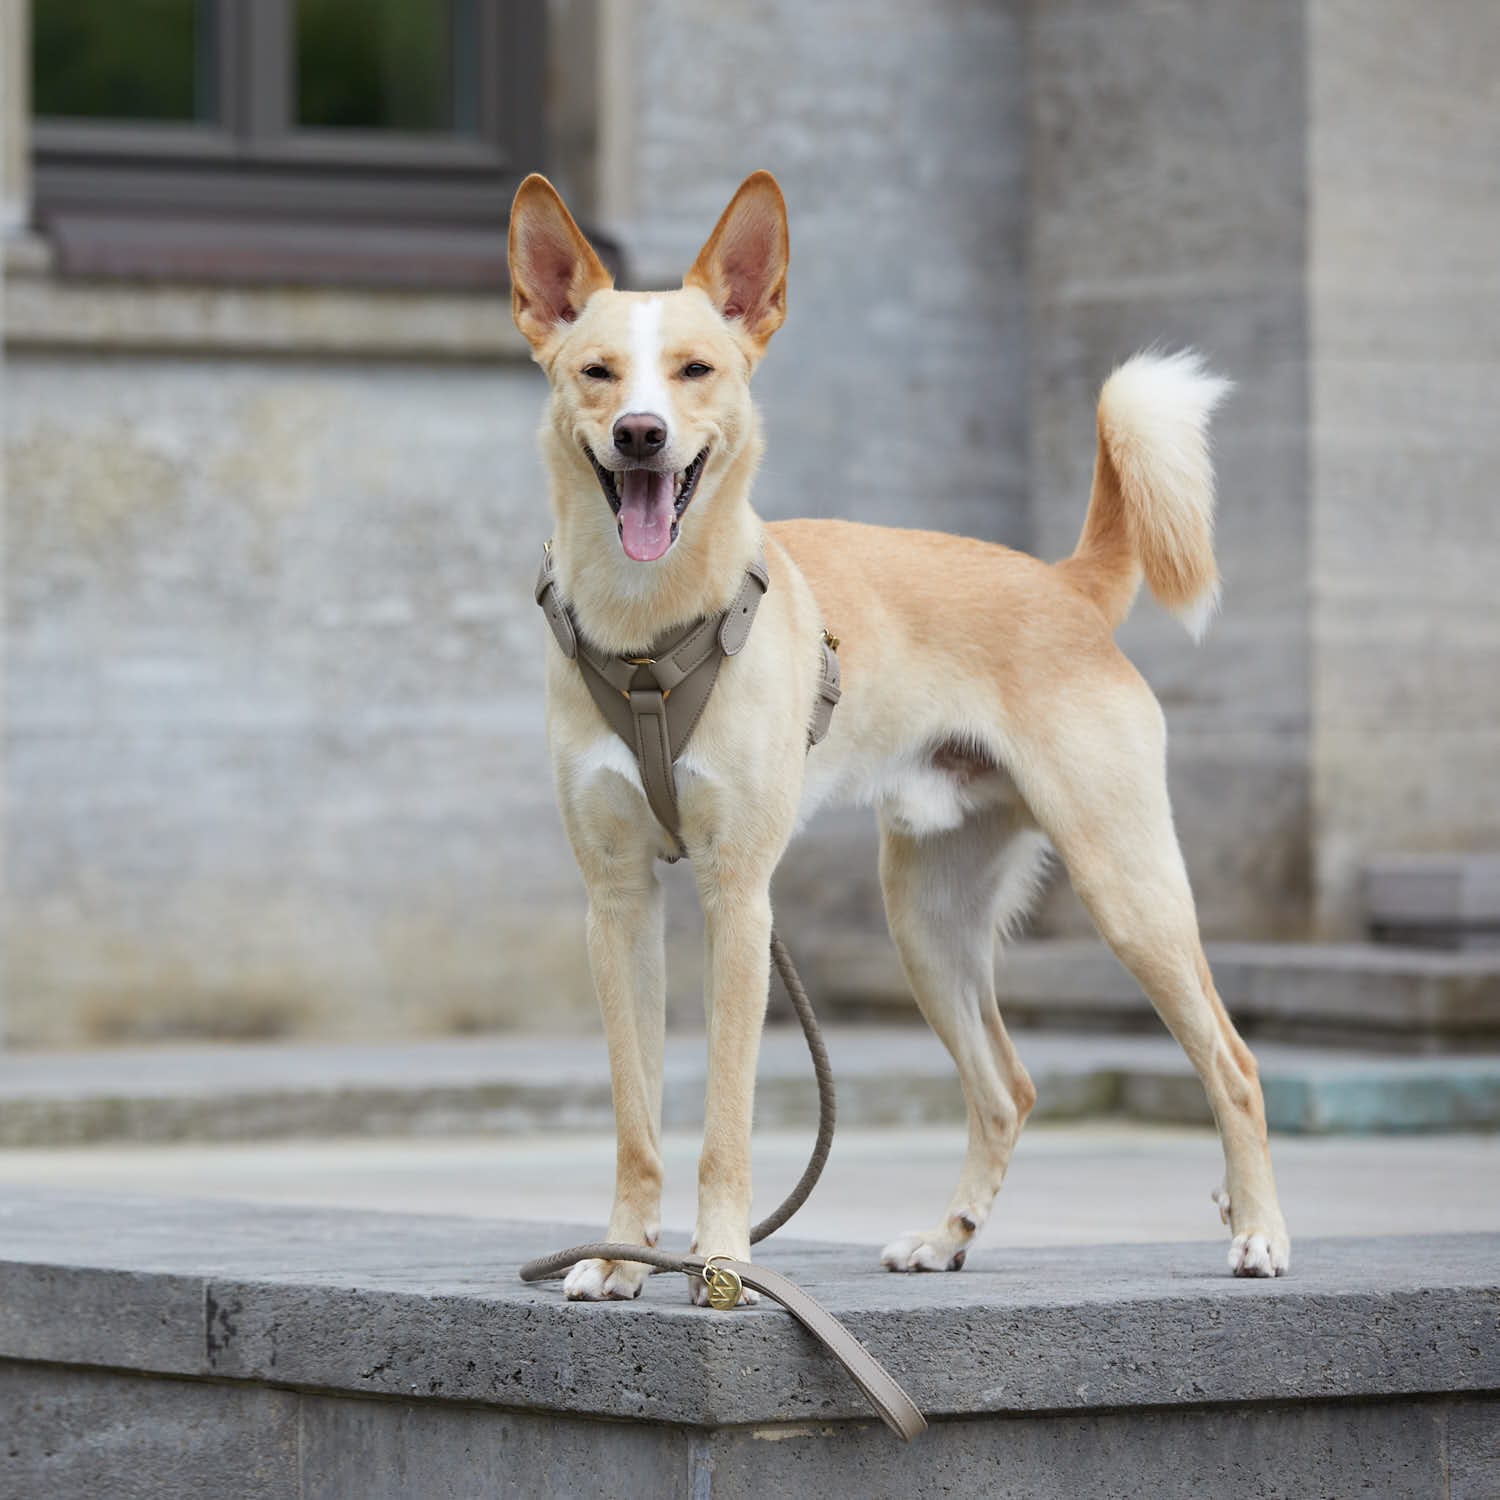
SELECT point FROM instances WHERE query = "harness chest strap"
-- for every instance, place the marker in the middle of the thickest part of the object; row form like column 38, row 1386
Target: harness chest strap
column 654, row 701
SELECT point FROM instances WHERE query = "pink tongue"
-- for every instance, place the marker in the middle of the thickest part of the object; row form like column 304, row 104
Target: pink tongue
column 646, row 514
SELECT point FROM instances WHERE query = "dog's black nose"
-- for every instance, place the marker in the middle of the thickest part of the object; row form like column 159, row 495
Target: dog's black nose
column 640, row 434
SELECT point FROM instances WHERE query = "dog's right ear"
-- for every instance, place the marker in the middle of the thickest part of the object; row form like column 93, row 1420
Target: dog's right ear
column 553, row 268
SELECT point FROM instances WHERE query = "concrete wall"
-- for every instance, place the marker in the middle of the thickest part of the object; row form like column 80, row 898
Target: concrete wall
column 896, row 391
column 275, row 755
column 276, row 759
column 1167, row 206
column 1405, row 285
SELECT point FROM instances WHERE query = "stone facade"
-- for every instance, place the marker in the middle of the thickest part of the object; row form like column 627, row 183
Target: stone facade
column 274, row 755
column 1404, row 137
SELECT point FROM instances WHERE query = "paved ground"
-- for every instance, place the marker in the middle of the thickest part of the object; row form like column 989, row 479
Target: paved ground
column 1070, row 1184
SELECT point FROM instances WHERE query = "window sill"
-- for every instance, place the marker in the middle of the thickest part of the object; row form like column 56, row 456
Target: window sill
column 45, row 311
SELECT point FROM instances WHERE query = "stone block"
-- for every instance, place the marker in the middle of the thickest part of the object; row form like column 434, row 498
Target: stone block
column 1435, row 900
column 397, row 1450
column 1348, row 994
column 364, row 1354
column 70, row 1434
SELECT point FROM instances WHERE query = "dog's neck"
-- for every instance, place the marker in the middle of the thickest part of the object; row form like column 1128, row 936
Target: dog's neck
column 624, row 606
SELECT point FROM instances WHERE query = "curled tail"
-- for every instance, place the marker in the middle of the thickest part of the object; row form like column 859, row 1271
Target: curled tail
column 1152, row 507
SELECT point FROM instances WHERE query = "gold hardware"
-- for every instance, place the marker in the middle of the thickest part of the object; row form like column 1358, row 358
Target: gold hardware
column 831, row 641
column 640, row 661
column 547, row 546
column 724, row 1285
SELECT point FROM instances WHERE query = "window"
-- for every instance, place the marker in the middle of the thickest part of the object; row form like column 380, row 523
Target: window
column 368, row 141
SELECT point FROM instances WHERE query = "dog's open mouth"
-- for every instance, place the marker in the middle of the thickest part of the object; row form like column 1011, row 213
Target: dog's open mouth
column 648, row 505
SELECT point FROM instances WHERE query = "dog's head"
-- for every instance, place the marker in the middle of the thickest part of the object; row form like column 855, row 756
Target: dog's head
column 650, row 390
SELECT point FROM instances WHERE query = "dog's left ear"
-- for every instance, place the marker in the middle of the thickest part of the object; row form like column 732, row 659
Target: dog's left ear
column 742, row 268
column 553, row 268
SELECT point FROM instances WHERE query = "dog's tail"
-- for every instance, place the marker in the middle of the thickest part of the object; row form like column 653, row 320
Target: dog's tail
column 1152, row 507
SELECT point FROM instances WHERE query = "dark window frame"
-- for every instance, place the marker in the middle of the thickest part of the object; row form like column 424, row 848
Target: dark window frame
column 253, row 197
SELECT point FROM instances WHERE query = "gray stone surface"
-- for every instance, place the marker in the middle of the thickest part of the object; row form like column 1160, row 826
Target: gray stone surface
column 427, row 1307
column 1437, row 900
column 1375, row 1452
column 398, row 1450
column 68, row 1434
column 886, row 1075
column 275, row 745
column 1366, row 995
column 1473, row 1451
column 1167, row 206
column 45, row 312
column 74, row 1434
column 1403, row 214
column 273, row 756
column 1060, row 1373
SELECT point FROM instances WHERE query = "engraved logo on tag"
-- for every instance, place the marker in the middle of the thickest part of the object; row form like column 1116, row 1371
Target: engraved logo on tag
column 724, row 1286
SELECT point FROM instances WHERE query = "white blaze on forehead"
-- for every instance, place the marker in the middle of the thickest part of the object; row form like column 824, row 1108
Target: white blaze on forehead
column 647, row 391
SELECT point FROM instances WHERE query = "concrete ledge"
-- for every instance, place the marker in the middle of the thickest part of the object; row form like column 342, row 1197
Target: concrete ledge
column 265, row 1322
column 1367, row 995
column 1435, row 900
column 44, row 311
column 887, row 1075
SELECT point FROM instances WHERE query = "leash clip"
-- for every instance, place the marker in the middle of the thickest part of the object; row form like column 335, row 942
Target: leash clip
column 724, row 1285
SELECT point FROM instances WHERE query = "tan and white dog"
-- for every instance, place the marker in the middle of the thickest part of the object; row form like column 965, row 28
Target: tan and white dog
column 986, row 712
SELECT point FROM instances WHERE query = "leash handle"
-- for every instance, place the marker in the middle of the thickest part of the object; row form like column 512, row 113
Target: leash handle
column 881, row 1389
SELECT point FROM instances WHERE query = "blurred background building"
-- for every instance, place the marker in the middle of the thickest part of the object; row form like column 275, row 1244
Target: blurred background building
column 273, row 755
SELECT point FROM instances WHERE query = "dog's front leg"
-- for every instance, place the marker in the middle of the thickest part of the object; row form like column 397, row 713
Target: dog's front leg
column 737, row 916
column 626, row 955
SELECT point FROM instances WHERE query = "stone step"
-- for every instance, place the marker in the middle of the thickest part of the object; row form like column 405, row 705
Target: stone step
column 1435, row 900
column 1365, row 995
column 886, row 1074
column 236, row 1351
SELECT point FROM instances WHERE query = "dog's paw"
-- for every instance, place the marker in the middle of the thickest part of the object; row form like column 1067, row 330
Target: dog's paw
column 605, row 1281
column 928, row 1250
column 1255, row 1252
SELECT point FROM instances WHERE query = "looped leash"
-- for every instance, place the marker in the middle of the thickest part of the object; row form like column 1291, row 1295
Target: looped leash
column 725, row 1278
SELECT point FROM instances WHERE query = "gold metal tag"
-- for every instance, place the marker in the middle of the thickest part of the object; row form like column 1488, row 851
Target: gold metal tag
column 724, row 1285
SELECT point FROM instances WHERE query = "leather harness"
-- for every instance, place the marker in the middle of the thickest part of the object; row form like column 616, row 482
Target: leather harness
column 654, row 700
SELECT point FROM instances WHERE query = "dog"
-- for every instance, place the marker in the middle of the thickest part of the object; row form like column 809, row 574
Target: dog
column 987, row 714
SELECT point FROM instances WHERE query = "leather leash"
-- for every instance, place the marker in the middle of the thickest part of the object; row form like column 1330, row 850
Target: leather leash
column 635, row 695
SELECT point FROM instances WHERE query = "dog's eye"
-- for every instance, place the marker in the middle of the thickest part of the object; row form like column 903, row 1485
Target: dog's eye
column 596, row 372
column 696, row 370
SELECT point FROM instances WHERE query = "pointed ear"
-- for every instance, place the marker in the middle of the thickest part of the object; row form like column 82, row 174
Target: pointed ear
column 553, row 268
column 742, row 268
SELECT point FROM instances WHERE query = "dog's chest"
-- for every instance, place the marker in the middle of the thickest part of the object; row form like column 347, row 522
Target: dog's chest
column 600, row 764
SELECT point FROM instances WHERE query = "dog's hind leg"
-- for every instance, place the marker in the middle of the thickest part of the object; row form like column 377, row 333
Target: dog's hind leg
column 947, row 896
column 1098, row 785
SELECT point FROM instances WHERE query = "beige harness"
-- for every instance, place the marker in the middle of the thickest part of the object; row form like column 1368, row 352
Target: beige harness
column 653, row 702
